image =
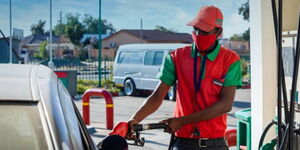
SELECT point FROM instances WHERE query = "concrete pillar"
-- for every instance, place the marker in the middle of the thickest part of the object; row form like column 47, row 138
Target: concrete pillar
column 263, row 69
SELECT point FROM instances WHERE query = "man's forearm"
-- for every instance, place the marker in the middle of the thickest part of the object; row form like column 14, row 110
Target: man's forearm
column 149, row 106
column 152, row 103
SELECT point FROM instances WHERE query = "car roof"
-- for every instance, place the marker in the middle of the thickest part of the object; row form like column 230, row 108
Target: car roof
column 20, row 82
column 167, row 46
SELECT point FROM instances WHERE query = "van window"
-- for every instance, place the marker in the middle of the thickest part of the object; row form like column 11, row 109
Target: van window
column 130, row 58
column 154, row 58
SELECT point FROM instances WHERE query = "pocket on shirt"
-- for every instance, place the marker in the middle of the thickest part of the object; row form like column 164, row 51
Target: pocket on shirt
column 213, row 86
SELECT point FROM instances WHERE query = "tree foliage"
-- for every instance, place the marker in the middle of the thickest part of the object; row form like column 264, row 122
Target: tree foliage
column 38, row 28
column 244, row 67
column 245, row 36
column 43, row 53
column 163, row 29
column 244, row 11
column 59, row 29
column 74, row 28
column 91, row 25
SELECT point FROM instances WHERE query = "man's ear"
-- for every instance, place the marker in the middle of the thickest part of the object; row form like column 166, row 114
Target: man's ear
column 219, row 33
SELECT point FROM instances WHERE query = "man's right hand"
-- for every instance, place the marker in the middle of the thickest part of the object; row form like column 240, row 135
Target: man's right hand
column 130, row 133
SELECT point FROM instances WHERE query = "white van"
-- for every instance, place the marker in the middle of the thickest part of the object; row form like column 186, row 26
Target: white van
column 136, row 66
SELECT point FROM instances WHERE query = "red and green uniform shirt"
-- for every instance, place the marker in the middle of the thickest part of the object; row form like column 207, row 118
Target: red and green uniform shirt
column 221, row 65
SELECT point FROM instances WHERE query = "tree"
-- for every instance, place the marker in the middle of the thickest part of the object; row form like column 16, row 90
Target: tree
column 236, row 37
column 163, row 29
column 244, row 11
column 91, row 25
column 74, row 28
column 43, row 53
column 245, row 36
column 59, row 29
column 244, row 67
column 38, row 28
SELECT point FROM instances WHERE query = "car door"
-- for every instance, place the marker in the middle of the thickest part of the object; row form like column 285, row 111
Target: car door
column 152, row 64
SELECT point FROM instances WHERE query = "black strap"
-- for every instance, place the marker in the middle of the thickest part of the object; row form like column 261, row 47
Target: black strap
column 203, row 142
column 197, row 84
column 172, row 141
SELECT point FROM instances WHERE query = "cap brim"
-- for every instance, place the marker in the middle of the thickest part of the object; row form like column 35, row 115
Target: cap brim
column 201, row 25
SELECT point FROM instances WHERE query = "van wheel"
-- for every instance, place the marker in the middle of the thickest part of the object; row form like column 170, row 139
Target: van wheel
column 129, row 87
column 171, row 95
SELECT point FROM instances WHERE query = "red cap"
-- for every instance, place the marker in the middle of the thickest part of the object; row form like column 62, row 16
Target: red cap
column 207, row 18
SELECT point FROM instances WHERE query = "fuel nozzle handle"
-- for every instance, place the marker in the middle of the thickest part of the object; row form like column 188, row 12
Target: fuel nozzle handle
column 149, row 126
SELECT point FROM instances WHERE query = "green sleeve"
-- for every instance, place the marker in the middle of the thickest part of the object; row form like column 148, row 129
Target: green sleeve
column 234, row 75
column 167, row 73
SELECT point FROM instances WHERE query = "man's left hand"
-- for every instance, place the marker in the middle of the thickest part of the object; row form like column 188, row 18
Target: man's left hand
column 173, row 124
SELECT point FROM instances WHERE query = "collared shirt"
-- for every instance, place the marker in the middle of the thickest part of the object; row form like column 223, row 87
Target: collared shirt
column 222, row 69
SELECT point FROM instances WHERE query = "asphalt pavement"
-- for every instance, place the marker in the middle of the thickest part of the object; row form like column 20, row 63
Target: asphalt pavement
column 125, row 106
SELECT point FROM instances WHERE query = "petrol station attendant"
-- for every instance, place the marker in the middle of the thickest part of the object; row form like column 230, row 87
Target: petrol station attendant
column 206, row 76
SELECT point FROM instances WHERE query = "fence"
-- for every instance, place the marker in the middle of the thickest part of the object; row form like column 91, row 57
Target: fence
column 86, row 70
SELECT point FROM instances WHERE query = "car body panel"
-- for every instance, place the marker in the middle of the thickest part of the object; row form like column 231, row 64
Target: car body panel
column 25, row 84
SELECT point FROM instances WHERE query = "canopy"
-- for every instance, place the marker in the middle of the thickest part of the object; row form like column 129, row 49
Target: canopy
column 291, row 10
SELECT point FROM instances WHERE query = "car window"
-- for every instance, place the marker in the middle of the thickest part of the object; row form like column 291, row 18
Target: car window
column 130, row 57
column 158, row 58
column 22, row 127
column 153, row 58
column 70, row 116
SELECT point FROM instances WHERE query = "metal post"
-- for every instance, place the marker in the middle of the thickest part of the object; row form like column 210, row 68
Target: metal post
column 10, row 34
column 294, row 86
column 50, row 63
column 141, row 32
column 99, row 45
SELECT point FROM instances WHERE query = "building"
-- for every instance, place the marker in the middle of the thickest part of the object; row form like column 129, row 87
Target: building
column 241, row 47
column 126, row 36
column 59, row 44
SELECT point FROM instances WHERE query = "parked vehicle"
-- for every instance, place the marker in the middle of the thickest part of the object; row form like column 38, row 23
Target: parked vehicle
column 24, row 55
column 136, row 66
column 37, row 111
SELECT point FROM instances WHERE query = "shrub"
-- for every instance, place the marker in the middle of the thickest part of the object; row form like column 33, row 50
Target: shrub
column 83, row 85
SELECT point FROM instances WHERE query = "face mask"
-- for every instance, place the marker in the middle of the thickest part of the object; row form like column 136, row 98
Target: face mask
column 204, row 42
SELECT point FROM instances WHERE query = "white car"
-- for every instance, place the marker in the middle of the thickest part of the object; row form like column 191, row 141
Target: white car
column 37, row 112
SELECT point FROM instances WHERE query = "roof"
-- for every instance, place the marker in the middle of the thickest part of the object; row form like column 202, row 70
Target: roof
column 158, row 36
column 38, row 38
column 21, row 82
column 167, row 46
column 87, row 35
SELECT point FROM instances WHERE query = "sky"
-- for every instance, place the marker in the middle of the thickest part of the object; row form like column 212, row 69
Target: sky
column 122, row 14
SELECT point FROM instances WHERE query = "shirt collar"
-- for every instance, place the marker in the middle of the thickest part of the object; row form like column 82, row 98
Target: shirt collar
column 211, row 56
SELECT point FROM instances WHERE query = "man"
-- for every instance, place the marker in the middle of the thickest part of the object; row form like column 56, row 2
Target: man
column 207, row 75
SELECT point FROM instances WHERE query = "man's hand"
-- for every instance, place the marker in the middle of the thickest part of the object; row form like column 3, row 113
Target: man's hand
column 130, row 133
column 173, row 124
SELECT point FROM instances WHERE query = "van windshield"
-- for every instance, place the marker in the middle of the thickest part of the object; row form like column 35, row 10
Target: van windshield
column 21, row 126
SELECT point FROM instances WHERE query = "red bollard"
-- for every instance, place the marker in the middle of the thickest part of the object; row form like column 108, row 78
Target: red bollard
column 230, row 136
column 109, row 106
